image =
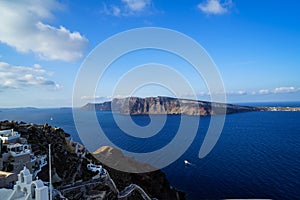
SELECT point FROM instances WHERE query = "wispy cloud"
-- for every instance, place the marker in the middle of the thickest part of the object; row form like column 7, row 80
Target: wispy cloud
column 136, row 5
column 96, row 98
column 127, row 8
column 278, row 90
column 239, row 92
column 102, row 98
column 23, row 27
column 20, row 77
column 215, row 7
column 206, row 93
column 286, row 90
column 264, row 91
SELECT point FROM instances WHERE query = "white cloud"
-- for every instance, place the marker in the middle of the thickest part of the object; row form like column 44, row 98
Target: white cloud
column 215, row 7
column 137, row 5
column 241, row 92
column 127, row 8
column 278, row 90
column 206, row 93
column 96, row 98
column 116, row 11
column 264, row 91
column 23, row 27
column 20, row 77
column 286, row 90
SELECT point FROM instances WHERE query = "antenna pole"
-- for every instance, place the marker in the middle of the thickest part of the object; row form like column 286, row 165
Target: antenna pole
column 50, row 174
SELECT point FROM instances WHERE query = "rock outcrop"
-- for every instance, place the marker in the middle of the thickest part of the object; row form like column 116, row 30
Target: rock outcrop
column 114, row 157
column 154, row 183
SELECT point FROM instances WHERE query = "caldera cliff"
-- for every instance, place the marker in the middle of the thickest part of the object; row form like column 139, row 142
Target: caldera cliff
column 168, row 105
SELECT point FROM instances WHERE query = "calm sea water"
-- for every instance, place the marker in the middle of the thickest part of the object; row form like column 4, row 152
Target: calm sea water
column 257, row 155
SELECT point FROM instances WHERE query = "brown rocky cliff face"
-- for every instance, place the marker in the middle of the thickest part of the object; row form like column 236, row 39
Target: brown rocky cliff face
column 168, row 105
column 154, row 183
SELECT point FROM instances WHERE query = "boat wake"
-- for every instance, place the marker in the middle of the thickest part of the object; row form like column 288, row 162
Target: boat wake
column 186, row 162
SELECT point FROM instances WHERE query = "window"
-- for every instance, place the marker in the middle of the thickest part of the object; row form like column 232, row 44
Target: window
column 22, row 177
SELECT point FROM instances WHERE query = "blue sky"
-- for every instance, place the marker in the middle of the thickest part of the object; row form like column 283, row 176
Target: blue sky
column 255, row 45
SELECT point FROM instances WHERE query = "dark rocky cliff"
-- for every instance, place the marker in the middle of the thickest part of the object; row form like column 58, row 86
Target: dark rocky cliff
column 168, row 105
column 70, row 168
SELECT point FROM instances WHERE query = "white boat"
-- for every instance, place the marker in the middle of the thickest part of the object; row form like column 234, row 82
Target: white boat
column 186, row 162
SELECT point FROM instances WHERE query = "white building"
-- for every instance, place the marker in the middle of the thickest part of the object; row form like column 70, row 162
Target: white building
column 9, row 136
column 26, row 189
column 97, row 168
column 18, row 149
column 14, row 156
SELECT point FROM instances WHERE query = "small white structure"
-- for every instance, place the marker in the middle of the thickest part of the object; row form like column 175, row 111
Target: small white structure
column 102, row 173
column 28, row 189
column 18, row 149
column 9, row 136
column 95, row 168
column 21, row 153
column 42, row 162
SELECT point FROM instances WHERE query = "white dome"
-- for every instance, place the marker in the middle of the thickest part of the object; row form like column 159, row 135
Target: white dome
column 25, row 171
column 38, row 183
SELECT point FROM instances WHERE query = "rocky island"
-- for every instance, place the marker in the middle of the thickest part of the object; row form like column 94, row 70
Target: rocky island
column 170, row 105
column 167, row 105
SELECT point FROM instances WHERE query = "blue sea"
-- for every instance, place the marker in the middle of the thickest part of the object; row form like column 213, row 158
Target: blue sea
column 257, row 155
